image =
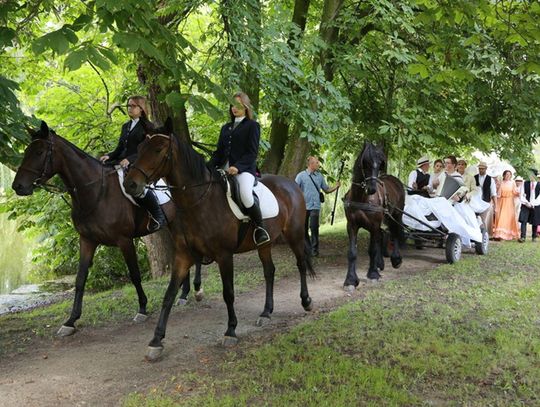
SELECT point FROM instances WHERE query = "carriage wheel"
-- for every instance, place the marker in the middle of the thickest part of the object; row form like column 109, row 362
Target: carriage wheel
column 453, row 248
column 482, row 247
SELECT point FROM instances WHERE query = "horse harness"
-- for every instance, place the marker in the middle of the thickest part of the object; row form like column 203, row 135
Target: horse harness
column 48, row 161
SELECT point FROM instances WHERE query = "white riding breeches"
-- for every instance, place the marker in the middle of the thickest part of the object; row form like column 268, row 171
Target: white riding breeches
column 245, row 183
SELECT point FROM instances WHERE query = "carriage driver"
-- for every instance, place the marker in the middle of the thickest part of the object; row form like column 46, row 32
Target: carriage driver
column 131, row 136
column 236, row 153
column 419, row 179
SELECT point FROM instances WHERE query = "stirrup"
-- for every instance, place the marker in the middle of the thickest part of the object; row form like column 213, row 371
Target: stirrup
column 264, row 239
column 153, row 225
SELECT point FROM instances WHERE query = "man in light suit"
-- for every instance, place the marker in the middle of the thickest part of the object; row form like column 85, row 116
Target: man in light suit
column 489, row 194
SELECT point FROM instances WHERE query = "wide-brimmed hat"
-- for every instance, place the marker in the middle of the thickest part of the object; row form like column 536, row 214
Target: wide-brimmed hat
column 482, row 164
column 534, row 171
column 422, row 161
column 519, row 178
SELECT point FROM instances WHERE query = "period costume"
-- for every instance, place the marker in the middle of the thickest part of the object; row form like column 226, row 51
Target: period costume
column 505, row 226
column 419, row 180
column 486, row 184
column 530, row 207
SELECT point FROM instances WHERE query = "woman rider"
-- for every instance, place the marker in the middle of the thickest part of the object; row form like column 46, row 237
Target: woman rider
column 125, row 154
column 236, row 153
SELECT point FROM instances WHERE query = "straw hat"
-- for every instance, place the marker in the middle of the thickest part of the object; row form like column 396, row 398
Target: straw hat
column 422, row 161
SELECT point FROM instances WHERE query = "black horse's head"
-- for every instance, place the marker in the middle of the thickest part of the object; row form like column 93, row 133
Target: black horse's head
column 37, row 166
column 368, row 166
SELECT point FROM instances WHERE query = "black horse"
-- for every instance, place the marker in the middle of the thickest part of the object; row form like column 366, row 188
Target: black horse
column 100, row 212
column 372, row 199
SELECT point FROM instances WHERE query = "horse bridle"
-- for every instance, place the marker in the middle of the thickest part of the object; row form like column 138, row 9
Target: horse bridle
column 364, row 183
column 48, row 159
column 148, row 178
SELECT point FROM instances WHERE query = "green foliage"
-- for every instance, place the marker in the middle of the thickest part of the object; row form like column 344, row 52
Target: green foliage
column 416, row 75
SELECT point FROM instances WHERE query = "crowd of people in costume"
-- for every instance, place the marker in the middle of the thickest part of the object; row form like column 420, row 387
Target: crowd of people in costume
column 514, row 203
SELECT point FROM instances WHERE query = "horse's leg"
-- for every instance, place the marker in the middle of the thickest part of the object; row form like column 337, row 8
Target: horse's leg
column 186, row 287
column 130, row 256
column 197, row 282
column 87, row 248
column 301, row 248
column 265, row 254
column 396, row 232
column 179, row 273
column 352, row 280
column 226, row 270
column 375, row 254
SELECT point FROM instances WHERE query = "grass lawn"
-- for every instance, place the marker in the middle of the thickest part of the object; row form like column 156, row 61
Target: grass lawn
column 463, row 334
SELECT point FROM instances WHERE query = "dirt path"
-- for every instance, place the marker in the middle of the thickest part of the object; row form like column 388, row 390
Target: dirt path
column 100, row 366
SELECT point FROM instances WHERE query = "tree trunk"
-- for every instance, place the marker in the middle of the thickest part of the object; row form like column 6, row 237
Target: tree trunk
column 279, row 131
column 295, row 155
column 160, row 252
column 160, row 244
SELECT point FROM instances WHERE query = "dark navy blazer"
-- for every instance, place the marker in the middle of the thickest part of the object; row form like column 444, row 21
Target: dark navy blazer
column 239, row 146
column 128, row 143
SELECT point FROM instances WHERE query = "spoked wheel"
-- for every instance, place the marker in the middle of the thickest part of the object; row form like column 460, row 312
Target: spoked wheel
column 482, row 247
column 453, row 248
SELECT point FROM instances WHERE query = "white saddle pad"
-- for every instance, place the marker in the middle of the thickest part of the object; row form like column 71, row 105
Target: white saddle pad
column 267, row 201
column 163, row 195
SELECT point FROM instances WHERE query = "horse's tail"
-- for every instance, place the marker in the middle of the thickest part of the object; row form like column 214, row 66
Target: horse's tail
column 309, row 263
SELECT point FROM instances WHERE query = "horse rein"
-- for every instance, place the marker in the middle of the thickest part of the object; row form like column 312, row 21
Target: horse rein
column 48, row 161
column 163, row 163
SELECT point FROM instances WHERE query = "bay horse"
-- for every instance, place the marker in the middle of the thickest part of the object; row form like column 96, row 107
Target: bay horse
column 372, row 200
column 206, row 227
column 100, row 212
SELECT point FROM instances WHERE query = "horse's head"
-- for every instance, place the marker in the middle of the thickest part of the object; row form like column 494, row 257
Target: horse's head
column 368, row 166
column 37, row 166
column 154, row 158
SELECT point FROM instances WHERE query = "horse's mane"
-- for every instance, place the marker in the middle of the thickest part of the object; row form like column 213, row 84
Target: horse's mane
column 81, row 153
column 191, row 161
column 370, row 153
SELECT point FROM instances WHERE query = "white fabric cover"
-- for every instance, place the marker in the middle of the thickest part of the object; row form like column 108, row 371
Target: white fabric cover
column 459, row 218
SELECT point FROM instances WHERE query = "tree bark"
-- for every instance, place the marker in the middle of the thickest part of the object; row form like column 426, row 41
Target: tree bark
column 160, row 244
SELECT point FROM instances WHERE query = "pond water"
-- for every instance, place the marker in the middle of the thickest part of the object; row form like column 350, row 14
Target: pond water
column 15, row 256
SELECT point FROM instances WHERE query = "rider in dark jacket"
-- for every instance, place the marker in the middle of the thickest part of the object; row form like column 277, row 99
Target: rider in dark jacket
column 125, row 153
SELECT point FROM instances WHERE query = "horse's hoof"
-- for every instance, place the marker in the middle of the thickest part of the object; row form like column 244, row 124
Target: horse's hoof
column 181, row 301
column 374, row 280
column 229, row 341
column 140, row 318
column 396, row 264
column 199, row 295
column 153, row 354
column 263, row 321
column 309, row 306
column 66, row 331
column 349, row 288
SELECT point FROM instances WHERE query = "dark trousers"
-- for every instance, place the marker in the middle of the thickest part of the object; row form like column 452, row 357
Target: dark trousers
column 524, row 230
column 312, row 224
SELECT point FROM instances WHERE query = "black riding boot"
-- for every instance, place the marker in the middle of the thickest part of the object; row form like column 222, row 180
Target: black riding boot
column 151, row 204
column 260, row 235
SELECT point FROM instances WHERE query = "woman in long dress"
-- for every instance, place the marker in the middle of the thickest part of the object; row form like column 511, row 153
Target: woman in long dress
column 505, row 227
